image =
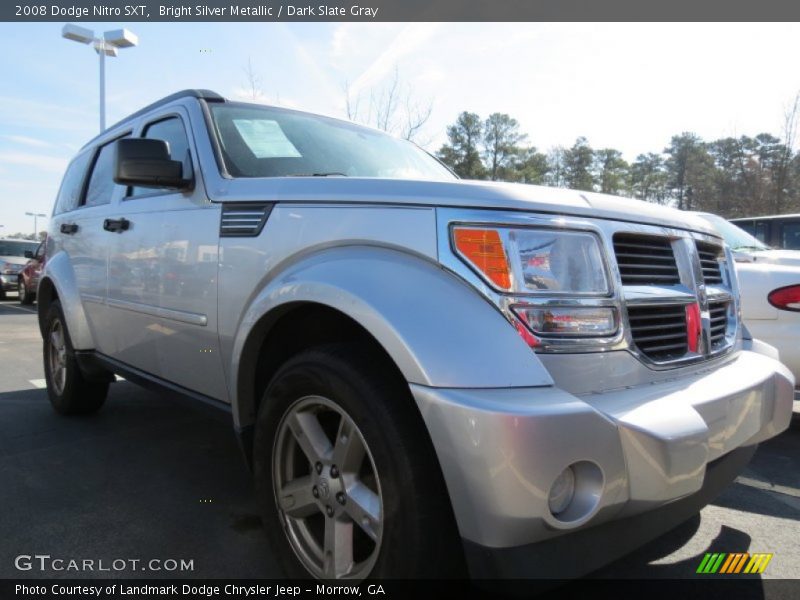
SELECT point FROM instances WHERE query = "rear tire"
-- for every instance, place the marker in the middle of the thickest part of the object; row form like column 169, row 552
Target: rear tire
column 25, row 297
column 69, row 391
column 384, row 513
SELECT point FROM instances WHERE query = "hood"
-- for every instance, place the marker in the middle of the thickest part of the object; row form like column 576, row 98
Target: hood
column 456, row 193
column 776, row 257
column 15, row 260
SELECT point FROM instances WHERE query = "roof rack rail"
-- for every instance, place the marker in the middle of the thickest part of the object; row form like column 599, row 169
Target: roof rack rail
column 200, row 94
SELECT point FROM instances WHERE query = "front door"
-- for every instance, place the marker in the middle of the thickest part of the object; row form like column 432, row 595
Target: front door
column 163, row 274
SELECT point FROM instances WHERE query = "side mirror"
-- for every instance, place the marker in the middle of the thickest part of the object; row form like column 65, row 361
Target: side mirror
column 29, row 254
column 146, row 163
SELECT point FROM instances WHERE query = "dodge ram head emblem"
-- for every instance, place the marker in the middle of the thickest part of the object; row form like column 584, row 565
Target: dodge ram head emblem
column 324, row 488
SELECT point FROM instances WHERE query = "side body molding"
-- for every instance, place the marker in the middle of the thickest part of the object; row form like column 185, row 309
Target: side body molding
column 58, row 271
column 437, row 329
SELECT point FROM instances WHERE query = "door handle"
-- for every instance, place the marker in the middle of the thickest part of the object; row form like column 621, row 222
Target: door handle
column 118, row 225
column 69, row 228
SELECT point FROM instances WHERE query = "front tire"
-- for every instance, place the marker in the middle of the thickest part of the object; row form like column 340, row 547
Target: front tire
column 347, row 479
column 69, row 391
column 25, row 297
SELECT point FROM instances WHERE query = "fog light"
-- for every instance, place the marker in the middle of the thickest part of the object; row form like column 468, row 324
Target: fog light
column 569, row 321
column 562, row 491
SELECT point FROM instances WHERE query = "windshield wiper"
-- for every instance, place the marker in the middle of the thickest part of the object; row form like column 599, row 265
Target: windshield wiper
column 331, row 174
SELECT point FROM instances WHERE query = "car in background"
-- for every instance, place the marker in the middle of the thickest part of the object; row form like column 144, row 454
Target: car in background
column 28, row 279
column 778, row 231
column 12, row 261
column 769, row 283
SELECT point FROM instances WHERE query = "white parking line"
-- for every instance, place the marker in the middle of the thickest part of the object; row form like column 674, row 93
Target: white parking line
column 41, row 383
column 770, row 487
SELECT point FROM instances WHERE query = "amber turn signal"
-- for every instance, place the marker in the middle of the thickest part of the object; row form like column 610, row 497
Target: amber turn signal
column 483, row 248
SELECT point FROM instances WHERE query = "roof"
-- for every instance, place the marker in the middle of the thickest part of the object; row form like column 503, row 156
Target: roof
column 199, row 94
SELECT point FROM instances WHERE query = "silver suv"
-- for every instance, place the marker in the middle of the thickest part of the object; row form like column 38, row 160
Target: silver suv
column 426, row 375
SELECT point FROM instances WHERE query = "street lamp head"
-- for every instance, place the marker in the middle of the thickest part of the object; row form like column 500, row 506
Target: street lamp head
column 105, row 48
column 121, row 38
column 77, row 34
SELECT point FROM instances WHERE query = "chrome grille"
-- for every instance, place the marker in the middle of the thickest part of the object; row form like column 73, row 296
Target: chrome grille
column 243, row 220
column 719, row 323
column 645, row 260
column 659, row 331
column 710, row 255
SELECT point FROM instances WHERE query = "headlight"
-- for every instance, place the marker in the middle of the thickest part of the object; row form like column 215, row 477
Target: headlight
column 547, row 272
column 7, row 268
column 535, row 261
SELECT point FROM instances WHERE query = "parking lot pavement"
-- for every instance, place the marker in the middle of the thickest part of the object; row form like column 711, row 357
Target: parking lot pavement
column 147, row 478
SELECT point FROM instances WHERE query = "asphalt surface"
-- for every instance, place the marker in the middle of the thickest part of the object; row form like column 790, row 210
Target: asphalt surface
column 147, row 478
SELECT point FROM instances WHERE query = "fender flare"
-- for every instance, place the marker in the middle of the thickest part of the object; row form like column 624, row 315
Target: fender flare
column 59, row 273
column 438, row 330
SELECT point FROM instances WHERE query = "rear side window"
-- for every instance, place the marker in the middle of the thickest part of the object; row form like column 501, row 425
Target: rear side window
column 69, row 194
column 101, row 184
column 172, row 131
column 791, row 235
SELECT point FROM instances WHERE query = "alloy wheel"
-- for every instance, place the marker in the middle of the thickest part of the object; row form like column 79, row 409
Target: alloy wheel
column 327, row 490
column 57, row 357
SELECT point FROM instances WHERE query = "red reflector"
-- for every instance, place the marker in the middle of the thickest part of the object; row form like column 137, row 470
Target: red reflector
column 786, row 298
column 526, row 335
column 693, row 327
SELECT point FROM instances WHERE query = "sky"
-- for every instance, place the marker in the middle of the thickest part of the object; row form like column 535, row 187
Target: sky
column 627, row 86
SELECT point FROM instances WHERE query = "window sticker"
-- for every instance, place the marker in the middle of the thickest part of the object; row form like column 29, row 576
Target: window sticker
column 265, row 138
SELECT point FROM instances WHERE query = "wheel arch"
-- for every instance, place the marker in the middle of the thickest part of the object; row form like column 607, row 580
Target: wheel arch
column 412, row 312
column 58, row 282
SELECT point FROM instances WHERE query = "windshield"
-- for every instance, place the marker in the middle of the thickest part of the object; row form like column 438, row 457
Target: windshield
column 261, row 141
column 736, row 238
column 9, row 248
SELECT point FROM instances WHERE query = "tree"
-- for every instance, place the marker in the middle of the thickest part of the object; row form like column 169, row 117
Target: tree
column 462, row 153
column 501, row 139
column 529, row 166
column 578, row 162
column 555, row 167
column 690, row 170
column 612, row 170
column 391, row 108
column 253, row 81
column 648, row 178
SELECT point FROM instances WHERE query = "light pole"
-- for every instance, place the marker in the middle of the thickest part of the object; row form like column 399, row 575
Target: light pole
column 105, row 45
column 35, row 222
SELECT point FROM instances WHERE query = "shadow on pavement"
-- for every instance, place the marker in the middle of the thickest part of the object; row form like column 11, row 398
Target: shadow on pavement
column 143, row 478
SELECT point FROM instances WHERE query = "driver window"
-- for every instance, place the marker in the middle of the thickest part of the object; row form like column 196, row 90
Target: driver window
column 172, row 131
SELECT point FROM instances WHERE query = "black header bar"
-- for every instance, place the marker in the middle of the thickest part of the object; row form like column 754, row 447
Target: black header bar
column 398, row 10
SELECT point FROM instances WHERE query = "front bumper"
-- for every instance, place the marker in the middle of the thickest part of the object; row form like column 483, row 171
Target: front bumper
column 502, row 449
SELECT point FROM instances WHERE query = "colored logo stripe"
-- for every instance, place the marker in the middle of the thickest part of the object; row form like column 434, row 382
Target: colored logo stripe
column 711, row 562
column 758, row 562
column 721, row 562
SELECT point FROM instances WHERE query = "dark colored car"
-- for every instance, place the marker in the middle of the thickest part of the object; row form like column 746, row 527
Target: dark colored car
column 28, row 279
column 777, row 231
column 12, row 260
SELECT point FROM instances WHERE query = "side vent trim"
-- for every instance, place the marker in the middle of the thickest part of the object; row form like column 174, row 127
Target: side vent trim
column 245, row 219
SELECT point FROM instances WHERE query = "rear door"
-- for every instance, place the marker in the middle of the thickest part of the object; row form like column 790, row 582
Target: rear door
column 85, row 199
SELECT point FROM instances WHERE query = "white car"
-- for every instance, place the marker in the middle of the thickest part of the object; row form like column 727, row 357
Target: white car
column 769, row 282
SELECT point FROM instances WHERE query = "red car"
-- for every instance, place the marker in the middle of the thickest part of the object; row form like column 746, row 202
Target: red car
column 28, row 279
